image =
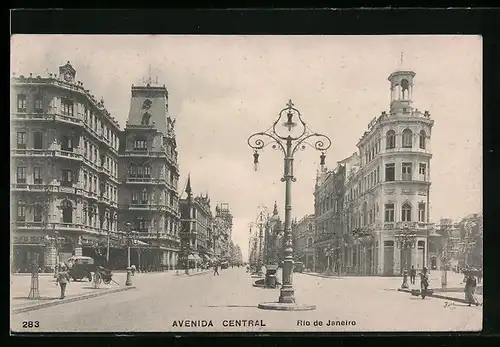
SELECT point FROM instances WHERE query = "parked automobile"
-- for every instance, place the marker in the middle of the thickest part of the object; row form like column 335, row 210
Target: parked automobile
column 298, row 267
column 81, row 267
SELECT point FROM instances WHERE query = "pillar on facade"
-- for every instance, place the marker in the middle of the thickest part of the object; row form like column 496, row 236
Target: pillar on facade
column 397, row 261
column 50, row 256
column 414, row 258
column 380, row 253
column 166, row 261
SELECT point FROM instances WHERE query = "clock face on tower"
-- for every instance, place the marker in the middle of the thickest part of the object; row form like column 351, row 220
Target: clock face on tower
column 147, row 104
column 67, row 77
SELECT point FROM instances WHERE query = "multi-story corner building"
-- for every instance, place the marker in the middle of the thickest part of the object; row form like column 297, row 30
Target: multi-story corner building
column 304, row 235
column 344, row 246
column 64, row 178
column 203, row 227
column 224, row 220
column 470, row 244
column 328, row 200
column 149, row 173
column 389, row 195
column 196, row 228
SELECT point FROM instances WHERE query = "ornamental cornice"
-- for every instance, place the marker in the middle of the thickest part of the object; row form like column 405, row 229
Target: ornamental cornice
column 40, row 82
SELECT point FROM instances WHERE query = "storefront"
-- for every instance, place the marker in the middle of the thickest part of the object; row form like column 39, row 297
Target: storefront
column 26, row 251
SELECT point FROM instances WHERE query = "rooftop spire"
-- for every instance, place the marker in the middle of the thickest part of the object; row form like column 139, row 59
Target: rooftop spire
column 188, row 185
column 275, row 210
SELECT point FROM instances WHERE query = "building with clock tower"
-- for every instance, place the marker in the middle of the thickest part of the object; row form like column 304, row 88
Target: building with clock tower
column 148, row 174
column 64, row 176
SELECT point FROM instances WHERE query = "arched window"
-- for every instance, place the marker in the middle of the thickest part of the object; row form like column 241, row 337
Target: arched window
column 147, row 171
column 421, row 139
column 407, row 138
column 405, row 89
column 390, row 139
column 406, row 212
column 67, row 211
column 145, row 119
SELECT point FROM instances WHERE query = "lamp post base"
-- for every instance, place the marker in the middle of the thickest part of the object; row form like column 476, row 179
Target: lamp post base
column 287, row 295
column 278, row 306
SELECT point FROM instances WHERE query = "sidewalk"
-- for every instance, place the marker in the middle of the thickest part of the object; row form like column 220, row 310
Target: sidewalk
column 20, row 285
column 454, row 290
column 50, row 291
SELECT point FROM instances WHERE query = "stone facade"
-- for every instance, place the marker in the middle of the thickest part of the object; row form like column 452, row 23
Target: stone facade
column 383, row 201
column 304, row 234
column 149, row 173
column 64, row 177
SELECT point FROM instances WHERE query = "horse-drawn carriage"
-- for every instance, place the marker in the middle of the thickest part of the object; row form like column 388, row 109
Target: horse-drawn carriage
column 102, row 274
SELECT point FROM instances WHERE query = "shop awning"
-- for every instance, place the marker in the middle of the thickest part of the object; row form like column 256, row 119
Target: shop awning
column 194, row 257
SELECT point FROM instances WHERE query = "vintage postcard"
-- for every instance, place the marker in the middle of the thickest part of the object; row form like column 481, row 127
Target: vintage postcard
column 246, row 183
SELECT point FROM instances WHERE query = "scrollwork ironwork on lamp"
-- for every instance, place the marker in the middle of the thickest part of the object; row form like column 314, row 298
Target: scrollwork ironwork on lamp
column 289, row 133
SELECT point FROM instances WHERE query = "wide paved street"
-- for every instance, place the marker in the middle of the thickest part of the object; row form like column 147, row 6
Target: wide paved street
column 162, row 299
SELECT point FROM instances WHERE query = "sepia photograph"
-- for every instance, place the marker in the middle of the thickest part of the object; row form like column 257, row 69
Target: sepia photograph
column 232, row 183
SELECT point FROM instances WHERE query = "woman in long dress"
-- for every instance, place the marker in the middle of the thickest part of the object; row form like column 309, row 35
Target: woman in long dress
column 470, row 289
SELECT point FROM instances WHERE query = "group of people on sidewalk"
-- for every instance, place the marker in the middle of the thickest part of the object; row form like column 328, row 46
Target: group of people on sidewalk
column 469, row 280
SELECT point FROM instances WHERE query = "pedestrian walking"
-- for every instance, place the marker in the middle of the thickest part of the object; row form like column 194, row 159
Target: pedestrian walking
column 216, row 269
column 132, row 269
column 470, row 290
column 424, row 282
column 413, row 274
column 63, row 280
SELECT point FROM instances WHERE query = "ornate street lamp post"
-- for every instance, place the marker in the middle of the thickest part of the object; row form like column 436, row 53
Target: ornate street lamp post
column 261, row 222
column 406, row 240
column 288, row 134
column 250, row 225
column 130, row 239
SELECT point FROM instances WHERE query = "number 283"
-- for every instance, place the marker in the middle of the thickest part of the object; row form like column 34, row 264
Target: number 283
column 31, row 324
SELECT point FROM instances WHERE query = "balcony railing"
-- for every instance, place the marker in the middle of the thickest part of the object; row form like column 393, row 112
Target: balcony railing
column 145, row 180
column 55, row 225
column 406, row 177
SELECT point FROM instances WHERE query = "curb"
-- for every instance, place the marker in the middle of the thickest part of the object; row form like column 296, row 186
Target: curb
column 65, row 301
column 438, row 296
column 323, row 276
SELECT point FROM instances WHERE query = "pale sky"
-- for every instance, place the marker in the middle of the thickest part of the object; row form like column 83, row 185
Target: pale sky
column 224, row 88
